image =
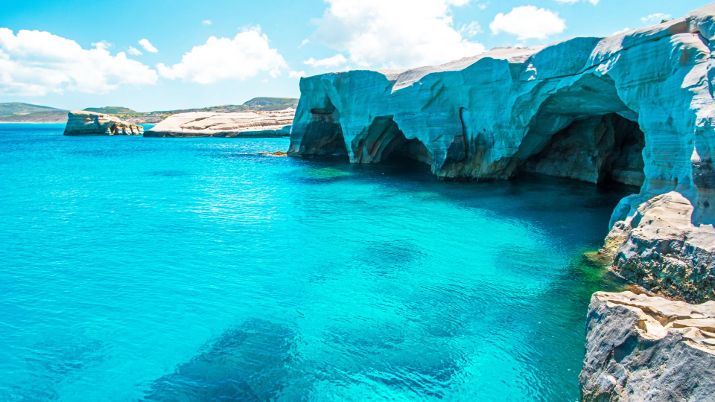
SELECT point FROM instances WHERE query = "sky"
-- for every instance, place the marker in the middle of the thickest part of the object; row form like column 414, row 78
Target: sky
column 161, row 54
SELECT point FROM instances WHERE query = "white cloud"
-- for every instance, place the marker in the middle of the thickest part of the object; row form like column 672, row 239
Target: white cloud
column 296, row 74
column 528, row 22
column 244, row 56
column 655, row 18
column 207, row 22
column 333, row 61
column 593, row 2
column 472, row 29
column 395, row 33
column 35, row 63
column 147, row 46
column 134, row 51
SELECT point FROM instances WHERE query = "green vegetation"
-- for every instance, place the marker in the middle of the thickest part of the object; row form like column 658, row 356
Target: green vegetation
column 25, row 112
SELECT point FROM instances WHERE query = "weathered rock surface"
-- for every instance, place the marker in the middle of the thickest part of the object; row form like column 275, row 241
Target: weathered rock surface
column 213, row 124
column 90, row 123
column 638, row 107
column 660, row 249
column 643, row 348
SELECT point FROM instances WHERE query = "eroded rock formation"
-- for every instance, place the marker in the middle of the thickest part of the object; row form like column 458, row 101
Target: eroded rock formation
column 90, row 123
column 638, row 105
column 643, row 348
column 661, row 250
column 214, row 124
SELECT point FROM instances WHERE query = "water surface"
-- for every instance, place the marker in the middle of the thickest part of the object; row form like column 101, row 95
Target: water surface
column 198, row 269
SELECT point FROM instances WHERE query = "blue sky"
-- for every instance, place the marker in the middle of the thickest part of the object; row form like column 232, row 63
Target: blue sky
column 76, row 54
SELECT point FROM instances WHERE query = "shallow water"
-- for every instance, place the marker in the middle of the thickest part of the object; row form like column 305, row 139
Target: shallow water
column 196, row 269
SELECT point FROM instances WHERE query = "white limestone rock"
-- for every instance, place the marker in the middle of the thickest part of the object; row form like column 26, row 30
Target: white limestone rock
column 215, row 124
column 643, row 348
column 659, row 248
column 499, row 114
column 91, row 123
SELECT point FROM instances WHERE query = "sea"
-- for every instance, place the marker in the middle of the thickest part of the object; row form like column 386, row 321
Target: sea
column 152, row 269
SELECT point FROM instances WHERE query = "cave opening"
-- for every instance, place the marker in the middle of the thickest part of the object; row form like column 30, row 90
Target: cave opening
column 604, row 149
column 383, row 142
column 323, row 135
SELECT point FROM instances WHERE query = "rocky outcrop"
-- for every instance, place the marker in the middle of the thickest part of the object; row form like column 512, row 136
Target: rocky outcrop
column 213, row 124
column 643, row 348
column 638, row 106
column 90, row 123
column 660, row 249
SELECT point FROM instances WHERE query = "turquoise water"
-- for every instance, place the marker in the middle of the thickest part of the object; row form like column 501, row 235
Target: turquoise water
column 198, row 269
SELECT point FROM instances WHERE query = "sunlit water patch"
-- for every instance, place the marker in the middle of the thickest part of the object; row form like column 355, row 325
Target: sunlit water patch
column 201, row 269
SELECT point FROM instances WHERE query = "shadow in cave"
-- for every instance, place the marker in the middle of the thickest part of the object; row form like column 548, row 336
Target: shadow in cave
column 384, row 143
column 323, row 135
column 606, row 150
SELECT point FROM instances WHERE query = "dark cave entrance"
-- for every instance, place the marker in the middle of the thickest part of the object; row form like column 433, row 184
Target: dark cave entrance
column 606, row 150
column 324, row 135
column 383, row 142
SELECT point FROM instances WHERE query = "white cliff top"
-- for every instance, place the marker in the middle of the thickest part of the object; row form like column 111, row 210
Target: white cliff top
column 214, row 122
column 405, row 78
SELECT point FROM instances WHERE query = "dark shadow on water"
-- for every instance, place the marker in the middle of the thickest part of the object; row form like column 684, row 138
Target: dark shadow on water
column 247, row 363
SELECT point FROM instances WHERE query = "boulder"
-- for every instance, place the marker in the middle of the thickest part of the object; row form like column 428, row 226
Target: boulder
column 643, row 348
column 214, row 124
column 659, row 248
column 91, row 123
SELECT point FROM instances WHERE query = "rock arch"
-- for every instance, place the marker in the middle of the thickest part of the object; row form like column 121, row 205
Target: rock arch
column 383, row 141
column 585, row 131
column 322, row 135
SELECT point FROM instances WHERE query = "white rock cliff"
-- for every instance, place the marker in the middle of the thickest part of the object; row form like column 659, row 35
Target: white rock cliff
column 90, row 123
column 639, row 106
column 214, row 124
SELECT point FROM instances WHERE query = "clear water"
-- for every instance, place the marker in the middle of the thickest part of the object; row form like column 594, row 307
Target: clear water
column 197, row 269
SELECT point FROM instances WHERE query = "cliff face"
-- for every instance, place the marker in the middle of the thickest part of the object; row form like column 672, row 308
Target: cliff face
column 90, row 123
column 635, row 108
column 642, row 348
column 275, row 123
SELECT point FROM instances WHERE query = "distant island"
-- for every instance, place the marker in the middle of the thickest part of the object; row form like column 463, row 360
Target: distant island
column 29, row 113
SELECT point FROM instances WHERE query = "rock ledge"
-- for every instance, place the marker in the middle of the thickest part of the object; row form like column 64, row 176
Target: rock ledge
column 644, row 348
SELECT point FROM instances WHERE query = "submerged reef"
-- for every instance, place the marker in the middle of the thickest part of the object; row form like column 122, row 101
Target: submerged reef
column 636, row 108
column 90, row 123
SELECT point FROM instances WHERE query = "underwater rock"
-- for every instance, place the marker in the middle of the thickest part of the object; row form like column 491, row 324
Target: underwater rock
column 643, row 348
column 91, row 123
column 247, row 363
column 634, row 108
column 273, row 123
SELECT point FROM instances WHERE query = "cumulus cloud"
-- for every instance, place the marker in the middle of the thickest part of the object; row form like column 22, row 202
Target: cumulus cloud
column 528, row 22
column 35, row 63
column 144, row 43
column 207, row 22
column 395, row 33
column 593, row 2
column 134, row 51
column 244, row 56
column 655, row 18
column 333, row 61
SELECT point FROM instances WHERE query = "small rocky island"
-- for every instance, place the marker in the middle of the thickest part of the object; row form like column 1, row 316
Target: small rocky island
column 91, row 123
column 636, row 108
column 256, row 123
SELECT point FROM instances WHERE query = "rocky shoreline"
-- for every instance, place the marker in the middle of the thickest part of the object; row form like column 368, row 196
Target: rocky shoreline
column 253, row 124
column 89, row 123
column 635, row 108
